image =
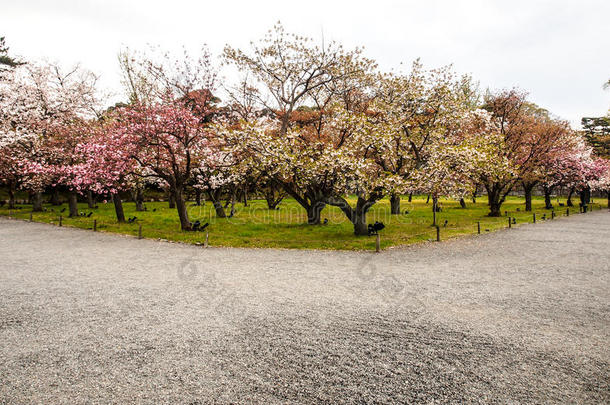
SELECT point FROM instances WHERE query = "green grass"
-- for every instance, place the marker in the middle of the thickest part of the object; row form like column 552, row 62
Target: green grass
column 256, row 226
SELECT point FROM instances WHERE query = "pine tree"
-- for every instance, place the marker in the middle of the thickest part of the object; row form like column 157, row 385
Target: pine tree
column 6, row 61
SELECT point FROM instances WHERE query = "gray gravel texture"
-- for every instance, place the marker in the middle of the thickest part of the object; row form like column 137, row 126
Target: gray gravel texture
column 516, row 316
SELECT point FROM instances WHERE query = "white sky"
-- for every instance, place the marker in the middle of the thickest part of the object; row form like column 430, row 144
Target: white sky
column 558, row 50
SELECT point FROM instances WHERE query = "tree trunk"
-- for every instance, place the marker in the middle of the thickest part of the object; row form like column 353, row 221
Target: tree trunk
column 434, row 205
column 90, row 200
column 220, row 212
column 527, row 189
column 233, row 198
column 245, row 196
column 138, row 198
column 360, row 225
column 356, row 215
column 359, row 216
column 395, row 204
column 11, row 197
column 410, row 197
column 36, row 202
column 273, row 195
column 428, row 199
column 273, row 198
column 474, row 194
column 55, row 197
column 118, row 208
column 185, row 224
column 609, row 200
column 313, row 201
column 172, row 200
column 547, row 198
column 271, row 201
column 313, row 212
column 494, row 200
column 462, row 203
column 585, row 196
column 197, row 197
column 73, row 204
column 495, row 209
column 569, row 203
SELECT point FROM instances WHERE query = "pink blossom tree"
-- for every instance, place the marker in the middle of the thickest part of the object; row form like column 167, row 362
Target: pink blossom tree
column 521, row 141
column 602, row 182
column 106, row 166
column 546, row 144
column 36, row 100
column 168, row 142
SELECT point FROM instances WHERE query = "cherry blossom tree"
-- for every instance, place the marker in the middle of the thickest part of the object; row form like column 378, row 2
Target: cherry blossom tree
column 63, row 163
column 333, row 160
column 157, row 77
column 602, row 181
column 292, row 75
column 548, row 141
column 357, row 171
column 419, row 112
column 521, row 141
column 17, row 169
column 595, row 171
column 447, row 170
column 36, row 100
column 106, row 167
column 168, row 142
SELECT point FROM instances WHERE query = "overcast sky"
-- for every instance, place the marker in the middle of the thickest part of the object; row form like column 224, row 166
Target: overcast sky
column 557, row 50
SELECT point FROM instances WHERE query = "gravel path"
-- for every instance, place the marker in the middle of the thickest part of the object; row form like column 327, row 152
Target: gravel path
column 517, row 316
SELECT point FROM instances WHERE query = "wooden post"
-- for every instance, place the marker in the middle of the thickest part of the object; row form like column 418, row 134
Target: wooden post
column 553, row 214
column 205, row 244
column 479, row 227
column 438, row 233
column 534, row 217
column 377, row 243
column 510, row 224
column 140, row 231
column 60, row 220
column 94, row 225
column 567, row 212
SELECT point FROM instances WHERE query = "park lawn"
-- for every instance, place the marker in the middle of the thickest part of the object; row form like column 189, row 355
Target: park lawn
column 257, row 226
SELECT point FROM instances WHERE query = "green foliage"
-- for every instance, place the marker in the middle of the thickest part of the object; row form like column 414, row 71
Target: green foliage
column 597, row 134
column 535, row 110
column 5, row 59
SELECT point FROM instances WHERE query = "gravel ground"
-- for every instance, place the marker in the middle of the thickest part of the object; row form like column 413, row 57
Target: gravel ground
column 517, row 316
